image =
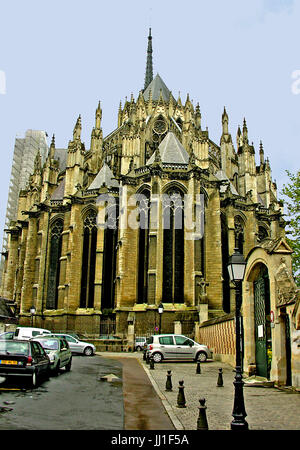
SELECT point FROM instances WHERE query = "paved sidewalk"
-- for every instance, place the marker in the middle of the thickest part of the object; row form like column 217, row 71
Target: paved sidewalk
column 267, row 408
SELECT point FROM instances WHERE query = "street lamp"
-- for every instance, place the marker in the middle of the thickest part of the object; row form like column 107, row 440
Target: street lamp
column 32, row 312
column 236, row 268
column 160, row 312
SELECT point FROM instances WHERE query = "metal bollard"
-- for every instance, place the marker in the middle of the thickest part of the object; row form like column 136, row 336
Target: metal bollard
column 202, row 419
column 198, row 369
column 152, row 363
column 169, row 381
column 144, row 356
column 220, row 379
column 181, row 397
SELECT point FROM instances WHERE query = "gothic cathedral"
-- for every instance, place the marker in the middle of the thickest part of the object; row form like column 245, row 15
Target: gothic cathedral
column 103, row 234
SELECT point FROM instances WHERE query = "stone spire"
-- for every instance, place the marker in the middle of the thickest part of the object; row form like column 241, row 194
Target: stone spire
column 261, row 154
column 225, row 121
column 77, row 129
column 52, row 147
column 149, row 66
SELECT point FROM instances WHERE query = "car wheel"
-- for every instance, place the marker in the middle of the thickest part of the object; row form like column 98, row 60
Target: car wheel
column 201, row 356
column 88, row 351
column 157, row 357
column 56, row 370
column 68, row 366
column 34, row 379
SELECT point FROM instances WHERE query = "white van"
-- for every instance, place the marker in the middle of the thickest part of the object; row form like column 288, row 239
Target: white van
column 28, row 332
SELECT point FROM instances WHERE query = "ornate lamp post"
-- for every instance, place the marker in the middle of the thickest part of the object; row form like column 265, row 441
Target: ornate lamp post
column 32, row 312
column 160, row 312
column 236, row 269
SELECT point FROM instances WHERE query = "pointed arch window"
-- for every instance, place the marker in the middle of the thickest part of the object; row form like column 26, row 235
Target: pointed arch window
column 239, row 233
column 88, row 260
column 173, row 247
column 262, row 233
column 225, row 258
column 109, row 256
column 143, row 246
column 54, row 264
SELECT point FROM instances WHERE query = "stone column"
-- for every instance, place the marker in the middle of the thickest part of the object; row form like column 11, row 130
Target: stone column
column 12, row 265
column 73, row 274
column 177, row 327
column 29, row 268
column 213, row 252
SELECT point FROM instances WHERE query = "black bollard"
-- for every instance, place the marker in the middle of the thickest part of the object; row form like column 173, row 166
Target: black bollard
column 147, row 359
column 220, row 379
column 198, row 369
column 144, row 355
column 202, row 419
column 181, row 397
column 151, row 362
column 169, row 381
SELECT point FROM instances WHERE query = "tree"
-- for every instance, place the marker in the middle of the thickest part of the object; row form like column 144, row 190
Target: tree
column 291, row 192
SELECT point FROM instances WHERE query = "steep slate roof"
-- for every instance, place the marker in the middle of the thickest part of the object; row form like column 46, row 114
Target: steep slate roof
column 60, row 154
column 104, row 177
column 58, row 194
column 171, row 151
column 156, row 86
column 221, row 175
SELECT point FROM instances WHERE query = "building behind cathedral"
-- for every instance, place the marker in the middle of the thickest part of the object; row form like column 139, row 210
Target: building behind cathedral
column 96, row 246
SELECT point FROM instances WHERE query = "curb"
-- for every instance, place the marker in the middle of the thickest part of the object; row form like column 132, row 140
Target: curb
column 169, row 410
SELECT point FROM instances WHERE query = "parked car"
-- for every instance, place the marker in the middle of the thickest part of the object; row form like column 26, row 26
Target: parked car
column 176, row 346
column 77, row 336
column 7, row 335
column 139, row 343
column 77, row 346
column 109, row 336
column 58, row 351
column 23, row 358
column 29, row 332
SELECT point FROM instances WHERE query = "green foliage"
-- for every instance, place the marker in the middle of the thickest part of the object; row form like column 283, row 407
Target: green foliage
column 291, row 192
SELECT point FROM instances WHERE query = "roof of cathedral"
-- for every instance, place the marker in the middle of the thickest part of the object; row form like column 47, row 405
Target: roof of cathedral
column 171, row 151
column 60, row 154
column 156, row 87
column 221, row 175
column 59, row 192
column 105, row 177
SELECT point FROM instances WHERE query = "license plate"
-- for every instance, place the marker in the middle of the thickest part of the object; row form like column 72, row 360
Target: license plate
column 4, row 361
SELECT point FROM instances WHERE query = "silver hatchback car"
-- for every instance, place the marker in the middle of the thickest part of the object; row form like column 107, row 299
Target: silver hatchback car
column 75, row 345
column 177, row 347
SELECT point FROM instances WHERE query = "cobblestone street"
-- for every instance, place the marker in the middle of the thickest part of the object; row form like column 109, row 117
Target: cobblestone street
column 268, row 408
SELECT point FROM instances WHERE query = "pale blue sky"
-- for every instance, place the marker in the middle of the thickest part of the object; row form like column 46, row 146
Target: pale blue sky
column 60, row 57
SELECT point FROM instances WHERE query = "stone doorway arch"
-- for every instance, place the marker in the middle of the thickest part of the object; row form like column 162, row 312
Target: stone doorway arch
column 274, row 263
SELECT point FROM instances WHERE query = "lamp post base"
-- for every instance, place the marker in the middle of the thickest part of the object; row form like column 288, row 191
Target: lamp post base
column 239, row 412
column 239, row 425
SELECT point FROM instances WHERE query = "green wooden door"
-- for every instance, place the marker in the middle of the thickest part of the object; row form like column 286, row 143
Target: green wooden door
column 260, row 327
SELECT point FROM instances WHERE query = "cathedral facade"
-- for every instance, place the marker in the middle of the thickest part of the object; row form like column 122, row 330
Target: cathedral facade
column 148, row 215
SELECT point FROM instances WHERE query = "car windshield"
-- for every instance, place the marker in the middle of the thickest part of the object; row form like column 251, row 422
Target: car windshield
column 14, row 348
column 48, row 344
column 7, row 335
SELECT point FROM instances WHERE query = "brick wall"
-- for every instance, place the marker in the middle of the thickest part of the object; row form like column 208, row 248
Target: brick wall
column 219, row 335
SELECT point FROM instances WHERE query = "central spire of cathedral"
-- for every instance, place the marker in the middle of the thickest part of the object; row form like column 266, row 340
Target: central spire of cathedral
column 149, row 66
